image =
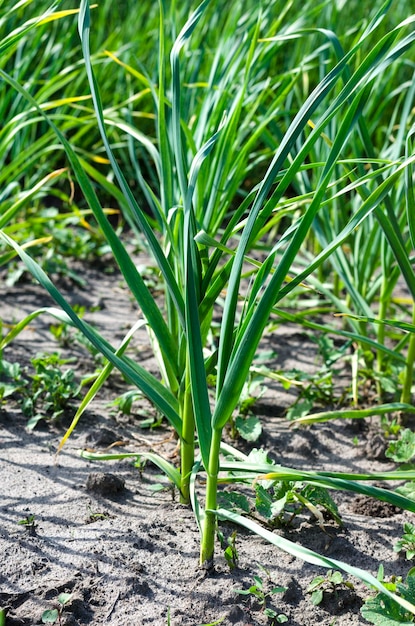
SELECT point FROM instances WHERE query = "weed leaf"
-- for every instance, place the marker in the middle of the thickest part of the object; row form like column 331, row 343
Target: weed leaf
column 402, row 450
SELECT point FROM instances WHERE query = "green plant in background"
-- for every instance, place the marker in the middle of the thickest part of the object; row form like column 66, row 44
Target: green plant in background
column 44, row 394
column 210, row 137
column 11, row 379
column 37, row 201
column 245, row 424
column 51, row 389
column 390, row 426
column 318, row 388
column 402, row 450
column 407, row 541
column 330, row 583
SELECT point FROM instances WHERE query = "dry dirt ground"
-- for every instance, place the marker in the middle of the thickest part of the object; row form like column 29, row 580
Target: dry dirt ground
column 129, row 556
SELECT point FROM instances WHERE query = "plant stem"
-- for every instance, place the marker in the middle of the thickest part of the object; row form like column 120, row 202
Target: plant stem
column 409, row 368
column 207, row 547
column 187, row 444
column 383, row 307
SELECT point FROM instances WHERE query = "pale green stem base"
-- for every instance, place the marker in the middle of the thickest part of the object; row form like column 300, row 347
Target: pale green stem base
column 187, row 447
column 207, row 547
column 383, row 306
column 409, row 368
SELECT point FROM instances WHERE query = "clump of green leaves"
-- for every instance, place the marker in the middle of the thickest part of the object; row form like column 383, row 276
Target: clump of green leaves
column 67, row 336
column 262, row 591
column 11, row 379
column 316, row 387
column 382, row 610
column 125, row 404
column 403, row 449
column 279, row 502
column 407, row 541
column 331, row 583
column 390, row 426
column 44, row 394
column 53, row 616
column 51, row 389
column 282, row 501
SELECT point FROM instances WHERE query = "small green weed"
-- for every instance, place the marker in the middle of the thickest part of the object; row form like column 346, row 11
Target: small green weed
column 165, row 485
column 228, row 546
column 403, row 449
column 246, row 424
column 44, row 394
column 53, row 616
column 11, row 379
column 282, row 501
column 382, row 610
column 332, row 582
column 64, row 333
column 390, row 426
column 94, row 516
column 279, row 502
column 407, row 541
column 149, row 419
column 67, row 336
column 125, row 401
column 51, row 390
column 317, row 387
column 29, row 523
column 262, row 591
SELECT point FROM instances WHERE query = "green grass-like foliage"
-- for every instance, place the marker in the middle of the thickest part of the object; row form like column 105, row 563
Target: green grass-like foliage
column 240, row 159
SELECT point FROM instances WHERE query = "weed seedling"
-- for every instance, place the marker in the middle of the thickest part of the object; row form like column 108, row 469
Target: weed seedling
column 407, row 541
column 94, row 516
column 29, row 523
column 43, row 394
column 163, row 485
column 390, row 426
column 53, row 616
column 51, row 390
column 403, row 449
column 332, row 582
column 261, row 591
column 228, row 546
column 281, row 502
column 246, row 424
column 11, row 379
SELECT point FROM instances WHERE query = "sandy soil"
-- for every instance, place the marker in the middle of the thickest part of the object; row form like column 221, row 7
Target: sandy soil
column 128, row 555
